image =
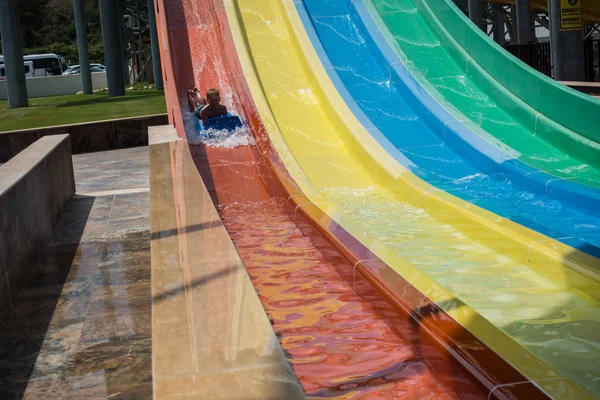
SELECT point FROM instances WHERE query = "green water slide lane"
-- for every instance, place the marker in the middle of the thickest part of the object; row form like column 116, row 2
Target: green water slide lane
column 522, row 112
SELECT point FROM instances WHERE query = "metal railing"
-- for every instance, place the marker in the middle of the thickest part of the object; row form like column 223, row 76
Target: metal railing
column 536, row 55
column 592, row 60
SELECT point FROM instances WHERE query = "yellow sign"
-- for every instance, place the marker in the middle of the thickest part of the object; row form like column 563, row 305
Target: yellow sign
column 570, row 15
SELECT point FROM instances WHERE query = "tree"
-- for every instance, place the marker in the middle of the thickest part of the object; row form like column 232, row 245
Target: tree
column 32, row 14
column 48, row 26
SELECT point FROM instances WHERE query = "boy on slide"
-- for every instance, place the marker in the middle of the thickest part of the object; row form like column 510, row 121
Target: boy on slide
column 214, row 109
column 198, row 105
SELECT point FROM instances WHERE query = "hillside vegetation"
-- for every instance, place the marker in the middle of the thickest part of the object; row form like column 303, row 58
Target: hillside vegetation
column 48, row 26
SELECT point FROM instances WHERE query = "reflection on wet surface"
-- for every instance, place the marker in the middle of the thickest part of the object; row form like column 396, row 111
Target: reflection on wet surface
column 80, row 328
column 557, row 323
column 340, row 345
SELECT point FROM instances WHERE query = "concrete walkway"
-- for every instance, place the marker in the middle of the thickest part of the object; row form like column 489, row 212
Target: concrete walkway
column 81, row 328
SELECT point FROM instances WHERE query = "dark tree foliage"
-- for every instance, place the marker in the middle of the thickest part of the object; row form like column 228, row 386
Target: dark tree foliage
column 48, row 26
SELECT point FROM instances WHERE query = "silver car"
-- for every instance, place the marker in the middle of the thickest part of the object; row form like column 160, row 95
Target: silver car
column 76, row 69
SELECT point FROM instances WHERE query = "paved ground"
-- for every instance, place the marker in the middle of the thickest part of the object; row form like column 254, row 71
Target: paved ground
column 82, row 326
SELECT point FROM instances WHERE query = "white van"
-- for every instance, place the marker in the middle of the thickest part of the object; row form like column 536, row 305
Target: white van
column 29, row 70
column 45, row 64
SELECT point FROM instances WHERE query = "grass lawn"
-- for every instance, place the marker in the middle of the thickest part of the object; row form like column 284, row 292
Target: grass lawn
column 72, row 109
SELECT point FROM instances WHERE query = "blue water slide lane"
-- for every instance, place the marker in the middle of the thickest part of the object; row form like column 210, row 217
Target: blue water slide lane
column 424, row 137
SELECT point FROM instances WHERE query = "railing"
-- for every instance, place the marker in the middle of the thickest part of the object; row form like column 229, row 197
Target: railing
column 536, row 55
column 592, row 60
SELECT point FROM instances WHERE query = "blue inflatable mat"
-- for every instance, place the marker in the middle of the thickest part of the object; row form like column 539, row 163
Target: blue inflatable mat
column 229, row 123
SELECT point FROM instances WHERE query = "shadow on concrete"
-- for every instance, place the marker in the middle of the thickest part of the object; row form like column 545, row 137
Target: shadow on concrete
column 195, row 283
column 188, row 229
column 24, row 331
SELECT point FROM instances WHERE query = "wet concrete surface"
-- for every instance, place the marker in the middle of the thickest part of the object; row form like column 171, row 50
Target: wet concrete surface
column 81, row 327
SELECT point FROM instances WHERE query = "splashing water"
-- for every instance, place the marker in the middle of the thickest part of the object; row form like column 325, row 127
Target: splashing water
column 223, row 138
column 213, row 137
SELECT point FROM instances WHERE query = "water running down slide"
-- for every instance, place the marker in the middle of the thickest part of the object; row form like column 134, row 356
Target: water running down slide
column 198, row 25
column 340, row 345
column 544, row 123
column 423, row 136
column 476, row 274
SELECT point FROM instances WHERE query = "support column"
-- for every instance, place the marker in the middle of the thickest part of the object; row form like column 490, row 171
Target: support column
column 13, row 54
column 156, row 66
column 124, row 55
column 498, row 19
column 566, row 40
column 525, row 29
column 112, row 47
column 476, row 13
column 82, row 46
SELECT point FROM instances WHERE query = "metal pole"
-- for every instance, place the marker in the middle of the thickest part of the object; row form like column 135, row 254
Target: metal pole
column 566, row 40
column 82, row 46
column 13, row 54
column 124, row 55
column 499, row 35
column 156, row 66
column 525, row 30
column 475, row 13
column 112, row 47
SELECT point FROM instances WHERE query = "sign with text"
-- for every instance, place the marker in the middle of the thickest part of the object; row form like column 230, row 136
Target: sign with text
column 570, row 15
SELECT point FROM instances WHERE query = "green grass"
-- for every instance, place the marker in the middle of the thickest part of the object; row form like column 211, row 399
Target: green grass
column 77, row 108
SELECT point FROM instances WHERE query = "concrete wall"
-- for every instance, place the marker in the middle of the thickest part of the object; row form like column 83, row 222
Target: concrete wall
column 87, row 137
column 44, row 86
column 35, row 188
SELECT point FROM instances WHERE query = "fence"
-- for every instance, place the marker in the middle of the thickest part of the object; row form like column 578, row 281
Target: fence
column 538, row 56
column 592, row 60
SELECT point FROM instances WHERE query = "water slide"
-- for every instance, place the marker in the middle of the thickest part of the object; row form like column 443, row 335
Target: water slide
column 544, row 123
column 425, row 138
column 339, row 344
column 529, row 301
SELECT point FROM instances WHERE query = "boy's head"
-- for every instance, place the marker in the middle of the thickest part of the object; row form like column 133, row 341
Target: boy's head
column 213, row 97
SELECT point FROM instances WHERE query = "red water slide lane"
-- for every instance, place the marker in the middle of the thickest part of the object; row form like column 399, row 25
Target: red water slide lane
column 390, row 341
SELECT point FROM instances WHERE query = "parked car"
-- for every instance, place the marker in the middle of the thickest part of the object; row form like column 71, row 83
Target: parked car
column 76, row 69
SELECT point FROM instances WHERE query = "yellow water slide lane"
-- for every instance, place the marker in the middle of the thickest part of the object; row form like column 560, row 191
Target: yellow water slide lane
column 499, row 280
